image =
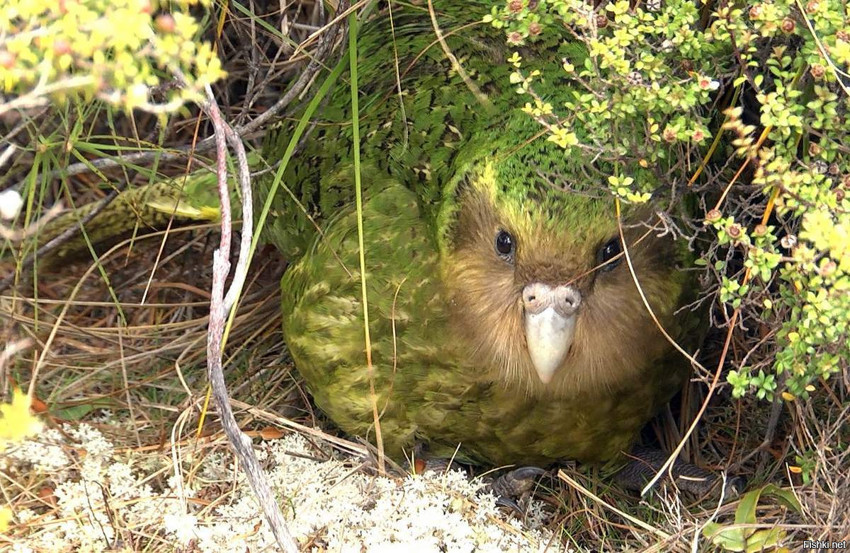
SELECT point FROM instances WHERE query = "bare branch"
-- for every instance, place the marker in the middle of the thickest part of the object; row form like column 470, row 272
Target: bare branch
column 219, row 307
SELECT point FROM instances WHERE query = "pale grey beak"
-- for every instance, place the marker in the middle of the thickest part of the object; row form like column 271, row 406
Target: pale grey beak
column 550, row 324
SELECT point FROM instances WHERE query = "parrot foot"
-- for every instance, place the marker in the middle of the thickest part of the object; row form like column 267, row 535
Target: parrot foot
column 514, row 484
column 646, row 462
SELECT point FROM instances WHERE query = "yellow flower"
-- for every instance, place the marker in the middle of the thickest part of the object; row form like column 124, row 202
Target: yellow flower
column 5, row 518
column 16, row 422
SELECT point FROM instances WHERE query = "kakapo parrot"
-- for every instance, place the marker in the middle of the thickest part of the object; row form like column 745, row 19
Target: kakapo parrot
column 506, row 326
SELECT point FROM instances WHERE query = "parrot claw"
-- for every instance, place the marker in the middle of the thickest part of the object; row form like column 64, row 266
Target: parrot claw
column 508, row 503
column 689, row 478
column 735, row 486
column 514, row 484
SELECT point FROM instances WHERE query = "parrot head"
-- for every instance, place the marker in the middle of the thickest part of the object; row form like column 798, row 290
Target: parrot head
column 541, row 289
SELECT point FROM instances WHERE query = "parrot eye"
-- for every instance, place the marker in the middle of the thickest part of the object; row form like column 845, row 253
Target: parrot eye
column 608, row 252
column 505, row 245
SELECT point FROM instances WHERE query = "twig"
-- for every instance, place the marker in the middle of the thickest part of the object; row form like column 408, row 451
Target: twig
column 470, row 84
column 769, row 433
column 19, row 235
column 219, row 306
column 9, row 352
column 39, row 95
column 7, row 153
column 668, row 464
column 244, row 175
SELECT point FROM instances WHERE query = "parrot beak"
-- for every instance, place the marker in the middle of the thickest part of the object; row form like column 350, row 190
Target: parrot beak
column 550, row 324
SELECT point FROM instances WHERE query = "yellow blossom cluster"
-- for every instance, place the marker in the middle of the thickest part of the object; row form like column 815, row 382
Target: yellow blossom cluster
column 114, row 50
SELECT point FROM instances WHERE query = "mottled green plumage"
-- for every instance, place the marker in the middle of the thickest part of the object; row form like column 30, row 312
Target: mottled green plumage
column 443, row 176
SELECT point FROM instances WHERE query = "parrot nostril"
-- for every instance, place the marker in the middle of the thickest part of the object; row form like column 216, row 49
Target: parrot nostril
column 537, row 297
column 569, row 300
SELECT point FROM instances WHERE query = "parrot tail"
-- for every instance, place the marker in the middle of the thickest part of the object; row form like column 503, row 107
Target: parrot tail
column 136, row 210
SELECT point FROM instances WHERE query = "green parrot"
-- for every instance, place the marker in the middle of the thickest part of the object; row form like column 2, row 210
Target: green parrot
column 506, row 325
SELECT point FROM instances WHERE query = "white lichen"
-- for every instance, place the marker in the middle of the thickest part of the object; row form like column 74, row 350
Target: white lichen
column 329, row 505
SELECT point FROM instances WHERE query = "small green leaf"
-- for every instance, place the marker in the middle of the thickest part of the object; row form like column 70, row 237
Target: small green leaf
column 729, row 539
